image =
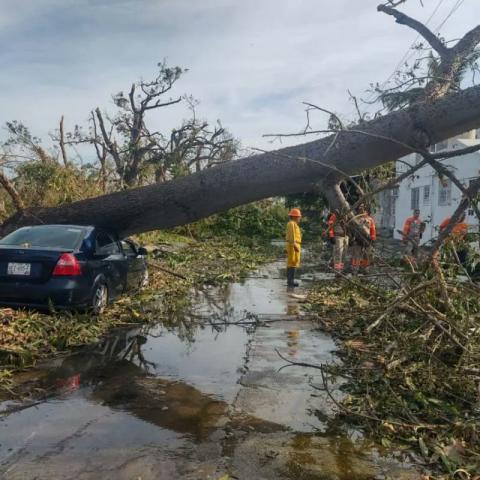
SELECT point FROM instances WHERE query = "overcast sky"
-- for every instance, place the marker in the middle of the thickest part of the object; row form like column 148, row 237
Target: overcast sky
column 251, row 62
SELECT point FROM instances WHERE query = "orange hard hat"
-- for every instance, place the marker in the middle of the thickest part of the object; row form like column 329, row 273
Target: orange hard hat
column 295, row 212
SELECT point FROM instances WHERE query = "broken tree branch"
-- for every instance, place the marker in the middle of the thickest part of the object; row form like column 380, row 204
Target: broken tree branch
column 425, row 32
column 12, row 192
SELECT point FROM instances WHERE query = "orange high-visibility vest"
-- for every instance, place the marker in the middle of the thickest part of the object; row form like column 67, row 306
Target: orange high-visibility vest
column 331, row 222
column 368, row 224
column 460, row 230
column 411, row 228
column 335, row 228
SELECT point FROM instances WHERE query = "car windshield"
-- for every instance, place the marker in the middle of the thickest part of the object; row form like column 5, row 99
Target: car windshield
column 45, row 236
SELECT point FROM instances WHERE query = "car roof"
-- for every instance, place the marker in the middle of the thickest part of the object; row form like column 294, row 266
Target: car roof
column 58, row 225
column 66, row 225
column 87, row 228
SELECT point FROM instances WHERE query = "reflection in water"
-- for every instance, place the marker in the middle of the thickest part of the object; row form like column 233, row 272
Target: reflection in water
column 118, row 375
column 293, row 342
column 175, row 406
column 316, row 458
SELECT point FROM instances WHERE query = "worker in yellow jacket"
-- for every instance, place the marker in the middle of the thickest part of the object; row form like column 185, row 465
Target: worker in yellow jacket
column 294, row 245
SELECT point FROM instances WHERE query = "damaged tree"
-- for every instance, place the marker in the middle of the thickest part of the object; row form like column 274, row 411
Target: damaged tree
column 130, row 153
column 322, row 163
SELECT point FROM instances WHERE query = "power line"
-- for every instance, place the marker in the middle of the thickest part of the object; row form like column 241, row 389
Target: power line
column 452, row 11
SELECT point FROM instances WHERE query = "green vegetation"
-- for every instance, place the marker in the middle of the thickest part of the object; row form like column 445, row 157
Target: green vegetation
column 411, row 360
column 265, row 219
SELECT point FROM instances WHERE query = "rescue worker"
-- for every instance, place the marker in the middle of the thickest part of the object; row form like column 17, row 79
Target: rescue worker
column 412, row 232
column 294, row 242
column 458, row 237
column 361, row 244
column 337, row 234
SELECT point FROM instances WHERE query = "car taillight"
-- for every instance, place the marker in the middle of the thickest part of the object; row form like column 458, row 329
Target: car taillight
column 67, row 265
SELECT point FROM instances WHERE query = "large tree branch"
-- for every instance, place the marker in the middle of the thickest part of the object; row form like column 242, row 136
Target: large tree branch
column 451, row 59
column 468, row 42
column 111, row 146
column 163, row 104
column 419, row 27
column 131, row 96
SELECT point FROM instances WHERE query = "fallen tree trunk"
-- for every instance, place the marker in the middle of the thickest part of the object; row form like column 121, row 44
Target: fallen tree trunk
column 285, row 171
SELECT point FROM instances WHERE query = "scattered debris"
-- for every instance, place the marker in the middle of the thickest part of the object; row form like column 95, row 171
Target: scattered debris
column 411, row 364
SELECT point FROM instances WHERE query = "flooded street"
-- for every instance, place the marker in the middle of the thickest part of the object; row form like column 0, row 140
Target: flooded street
column 200, row 399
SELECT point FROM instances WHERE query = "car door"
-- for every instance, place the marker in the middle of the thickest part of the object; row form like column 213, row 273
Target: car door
column 135, row 264
column 112, row 261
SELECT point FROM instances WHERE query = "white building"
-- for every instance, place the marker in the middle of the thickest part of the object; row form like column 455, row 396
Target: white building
column 436, row 199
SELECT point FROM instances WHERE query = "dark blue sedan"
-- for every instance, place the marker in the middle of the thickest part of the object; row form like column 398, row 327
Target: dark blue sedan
column 68, row 267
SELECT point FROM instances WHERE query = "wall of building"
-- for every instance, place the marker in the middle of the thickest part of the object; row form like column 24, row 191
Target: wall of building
column 435, row 202
column 384, row 211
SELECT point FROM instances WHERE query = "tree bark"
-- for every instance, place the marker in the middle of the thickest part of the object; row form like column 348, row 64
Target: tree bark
column 61, row 142
column 285, row 171
column 12, row 191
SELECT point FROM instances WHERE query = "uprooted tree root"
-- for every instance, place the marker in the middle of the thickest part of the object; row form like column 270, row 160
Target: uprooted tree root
column 411, row 359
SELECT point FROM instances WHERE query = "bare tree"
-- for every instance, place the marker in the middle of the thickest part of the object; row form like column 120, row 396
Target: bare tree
column 127, row 140
column 193, row 147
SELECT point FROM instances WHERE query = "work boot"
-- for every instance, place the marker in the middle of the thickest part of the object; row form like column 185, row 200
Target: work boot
column 291, row 277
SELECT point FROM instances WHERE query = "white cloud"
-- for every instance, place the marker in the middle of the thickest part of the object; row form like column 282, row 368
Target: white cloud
column 251, row 63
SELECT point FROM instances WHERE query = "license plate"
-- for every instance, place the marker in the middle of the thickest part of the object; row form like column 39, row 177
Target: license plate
column 19, row 268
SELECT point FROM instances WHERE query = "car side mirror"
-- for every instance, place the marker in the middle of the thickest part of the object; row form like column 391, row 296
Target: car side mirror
column 142, row 252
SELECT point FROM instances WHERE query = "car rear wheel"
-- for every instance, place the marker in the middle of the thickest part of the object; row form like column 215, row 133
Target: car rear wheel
column 100, row 298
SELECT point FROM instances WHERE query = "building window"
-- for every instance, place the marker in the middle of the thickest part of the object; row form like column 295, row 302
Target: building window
column 415, row 198
column 395, row 192
column 426, row 195
column 444, row 192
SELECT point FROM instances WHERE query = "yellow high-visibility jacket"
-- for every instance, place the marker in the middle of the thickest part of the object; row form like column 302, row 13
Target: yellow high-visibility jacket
column 294, row 239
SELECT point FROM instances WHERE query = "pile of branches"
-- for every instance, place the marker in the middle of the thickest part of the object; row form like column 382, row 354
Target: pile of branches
column 411, row 358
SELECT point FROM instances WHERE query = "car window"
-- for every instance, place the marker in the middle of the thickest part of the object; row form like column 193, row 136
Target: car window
column 45, row 236
column 105, row 244
column 128, row 248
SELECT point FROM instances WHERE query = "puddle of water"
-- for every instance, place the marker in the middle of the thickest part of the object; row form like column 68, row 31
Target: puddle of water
column 210, row 361
column 261, row 294
column 188, row 401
